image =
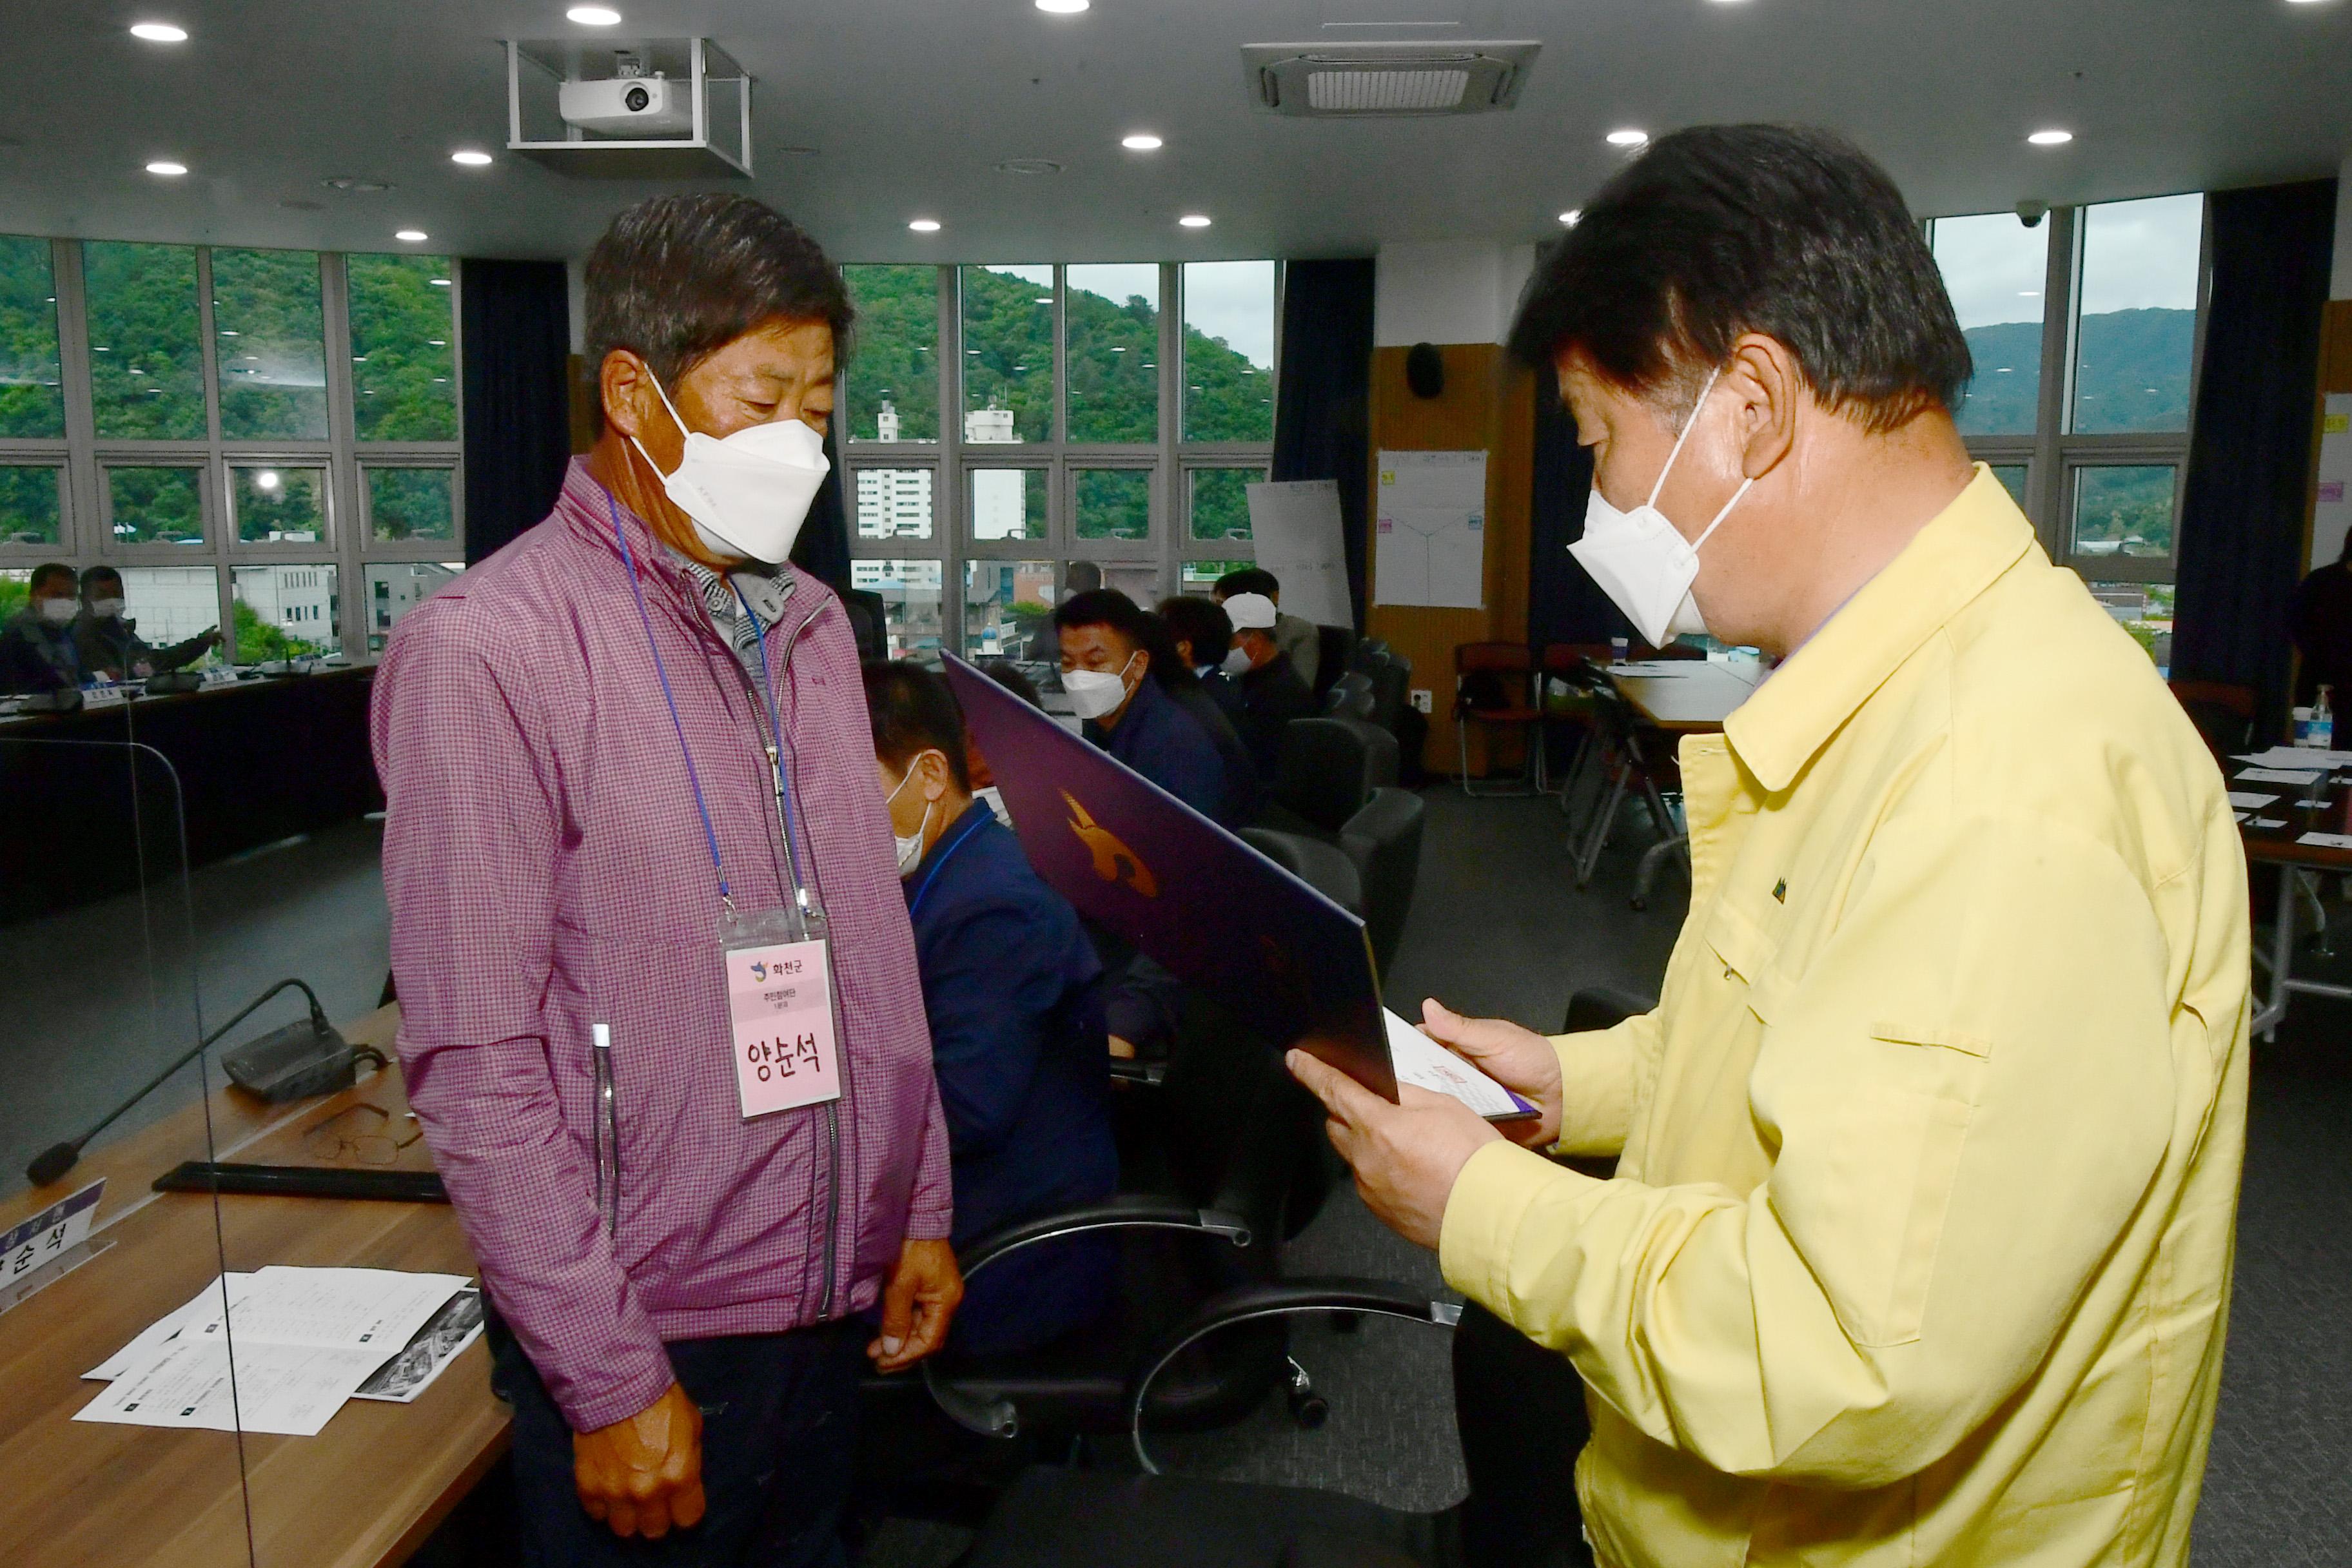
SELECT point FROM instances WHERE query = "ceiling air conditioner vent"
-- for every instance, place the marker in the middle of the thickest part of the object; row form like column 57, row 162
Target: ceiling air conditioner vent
column 1388, row 77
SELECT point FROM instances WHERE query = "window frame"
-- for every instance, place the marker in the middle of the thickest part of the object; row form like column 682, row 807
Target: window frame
column 2054, row 456
column 952, row 459
column 84, row 461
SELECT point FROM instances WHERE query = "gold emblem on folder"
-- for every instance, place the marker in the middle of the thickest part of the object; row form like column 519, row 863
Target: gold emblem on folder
column 1114, row 861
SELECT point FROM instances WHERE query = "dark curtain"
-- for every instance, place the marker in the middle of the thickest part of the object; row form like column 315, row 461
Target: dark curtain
column 1322, row 414
column 517, row 330
column 823, row 548
column 1564, row 604
column 2250, row 456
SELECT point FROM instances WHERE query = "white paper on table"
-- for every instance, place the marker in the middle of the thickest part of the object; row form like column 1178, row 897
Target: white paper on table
column 2328, row 840
column 1430, row 530
column 373, row 1309
column 2300, row 758
column 146, row 1344
column 291, row 1390
column 2244, row 814
column 457, row 1324
column 2247, row 798
column 2270, row 822
column 2277, row 776
column 1422, row 1061
column 1295, row 527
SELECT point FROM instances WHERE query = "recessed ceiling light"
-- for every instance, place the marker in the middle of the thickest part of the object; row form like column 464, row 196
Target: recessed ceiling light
column 1141, row 142
column 411, row 236
column 925, row 225
column 473, row 158
column 594, row 15
column 166, row 168
column 159, row 32
column 1063, row 7
column 267, row 479
column 438, row 282
column 2050, row 138
column 1628, row 137
column 1195, row 220
column 1571, row 216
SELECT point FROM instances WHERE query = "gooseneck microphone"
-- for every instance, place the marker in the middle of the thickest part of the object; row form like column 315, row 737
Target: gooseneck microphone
column 52, row 1162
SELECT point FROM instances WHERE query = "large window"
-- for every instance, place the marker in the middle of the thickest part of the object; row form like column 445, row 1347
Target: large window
column 1109, row 418
column 2084, row 334
column 263, row 428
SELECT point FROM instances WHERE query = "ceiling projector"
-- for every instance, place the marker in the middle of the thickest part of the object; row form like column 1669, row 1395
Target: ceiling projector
column 627, row 106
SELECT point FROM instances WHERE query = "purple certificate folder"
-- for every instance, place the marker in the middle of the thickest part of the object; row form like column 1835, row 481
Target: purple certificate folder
column 1214, row 912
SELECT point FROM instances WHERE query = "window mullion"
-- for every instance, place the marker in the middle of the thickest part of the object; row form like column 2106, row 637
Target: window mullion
column 947, row 499
column 85, row 533
column 2045, row 482
column 350, row 522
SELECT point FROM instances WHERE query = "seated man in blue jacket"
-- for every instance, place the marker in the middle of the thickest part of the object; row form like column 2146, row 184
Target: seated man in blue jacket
column 1106, row 641
column 1010, row 982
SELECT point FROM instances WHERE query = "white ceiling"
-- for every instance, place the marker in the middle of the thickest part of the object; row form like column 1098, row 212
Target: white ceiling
column 910, row 103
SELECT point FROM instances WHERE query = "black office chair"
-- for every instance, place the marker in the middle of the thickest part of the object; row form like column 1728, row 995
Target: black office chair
column 1223, row 1160
column 1383, row 839
column 1326, row 771
column 1518, row 1412
column 1334, row 653
column 1351, row 696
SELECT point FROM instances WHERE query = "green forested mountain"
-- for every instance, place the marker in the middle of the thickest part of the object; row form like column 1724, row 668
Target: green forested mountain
column 2132, row 374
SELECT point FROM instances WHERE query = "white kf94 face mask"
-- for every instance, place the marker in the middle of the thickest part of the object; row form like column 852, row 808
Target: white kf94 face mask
column 1641, row 560
column 747, row 493
column 1095, row 693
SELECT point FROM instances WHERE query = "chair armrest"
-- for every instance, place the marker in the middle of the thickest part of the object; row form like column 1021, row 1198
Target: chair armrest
column 997, row 1417
column 1274, row 1299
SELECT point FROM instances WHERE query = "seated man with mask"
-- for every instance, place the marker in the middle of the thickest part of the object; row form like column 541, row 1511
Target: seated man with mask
column 1272, row 692
column 1017, row 1034
column 37, row 647
column 1105, row 644
column 111, row 645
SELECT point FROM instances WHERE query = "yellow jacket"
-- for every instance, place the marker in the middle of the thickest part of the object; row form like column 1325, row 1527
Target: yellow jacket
column 1919, row 1251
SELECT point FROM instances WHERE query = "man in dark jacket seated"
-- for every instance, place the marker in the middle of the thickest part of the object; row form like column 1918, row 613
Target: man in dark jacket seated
column 1010, row 983
column 1272, row 692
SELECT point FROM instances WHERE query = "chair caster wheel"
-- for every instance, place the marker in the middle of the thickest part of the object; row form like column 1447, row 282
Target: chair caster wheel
column 1309, row 1411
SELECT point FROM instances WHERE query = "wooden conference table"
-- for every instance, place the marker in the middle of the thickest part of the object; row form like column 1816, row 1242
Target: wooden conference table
column 366, row 1491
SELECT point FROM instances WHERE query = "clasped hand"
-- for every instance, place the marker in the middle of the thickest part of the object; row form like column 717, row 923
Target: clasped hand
column 1406, row 1157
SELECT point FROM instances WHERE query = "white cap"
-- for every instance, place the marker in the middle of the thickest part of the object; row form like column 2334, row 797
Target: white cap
column 1250, row 611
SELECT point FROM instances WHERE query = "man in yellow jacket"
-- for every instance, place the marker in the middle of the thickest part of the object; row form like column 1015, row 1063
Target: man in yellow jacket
column 1919, row 1246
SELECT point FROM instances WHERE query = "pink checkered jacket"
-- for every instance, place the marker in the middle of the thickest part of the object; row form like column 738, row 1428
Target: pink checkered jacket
column 547, row 870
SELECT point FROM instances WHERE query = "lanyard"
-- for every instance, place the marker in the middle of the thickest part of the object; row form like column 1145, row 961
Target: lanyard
column 693, row 777
column 941, row 856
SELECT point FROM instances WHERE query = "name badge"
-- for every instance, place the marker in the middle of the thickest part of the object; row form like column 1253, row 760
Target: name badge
column 779, row 1002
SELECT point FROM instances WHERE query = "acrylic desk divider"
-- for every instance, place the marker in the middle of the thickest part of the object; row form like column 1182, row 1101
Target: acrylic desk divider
column 112, row 1455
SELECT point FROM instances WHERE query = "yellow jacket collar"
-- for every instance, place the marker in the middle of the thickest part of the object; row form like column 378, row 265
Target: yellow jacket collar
column 1960, row 553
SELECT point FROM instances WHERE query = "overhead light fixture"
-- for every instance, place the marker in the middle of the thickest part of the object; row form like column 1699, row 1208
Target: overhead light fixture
column 2050, row 138
column 166, row 168
column 1141, row 142
column 438, row 282
column 1063, row 7
column 472, row 157
column 159, row 32
column 411, row 235
column 594, row 15
column 1571, row 216
column 267, row 479
column 925, row 225
column 1629, row 137
column 1195, row 220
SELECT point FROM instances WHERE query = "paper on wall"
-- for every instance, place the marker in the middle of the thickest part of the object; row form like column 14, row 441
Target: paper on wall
column 1430, row 537
column 2331, row 514
column 1298, row 536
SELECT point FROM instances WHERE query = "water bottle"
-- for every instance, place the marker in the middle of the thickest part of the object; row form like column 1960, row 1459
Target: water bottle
column 2303, row 728
column 2323, row 723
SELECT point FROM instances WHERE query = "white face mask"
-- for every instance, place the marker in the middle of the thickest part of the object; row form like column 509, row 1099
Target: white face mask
column 106, row 609
column 749, row 492
column 1095, row 693
column 57, row 612
column 911, row 845
column 1237, row 660
column 1641, row 560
